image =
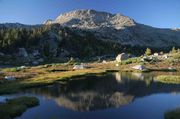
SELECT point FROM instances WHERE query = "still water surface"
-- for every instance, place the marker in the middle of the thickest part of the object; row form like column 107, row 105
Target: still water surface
column 112, row 96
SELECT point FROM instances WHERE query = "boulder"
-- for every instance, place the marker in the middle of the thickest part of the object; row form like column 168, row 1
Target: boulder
column 35, row 53
column 35, row 62
column 77, row 67
column 1, row 54
column 156, row 54
column 23, row 52
column 40, row 60
column 139, row 67
column 10, row 78
column 104, row 62
column 122, row 57
column 21, row 67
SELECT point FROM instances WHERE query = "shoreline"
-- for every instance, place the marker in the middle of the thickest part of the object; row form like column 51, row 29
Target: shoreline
column 50, row 73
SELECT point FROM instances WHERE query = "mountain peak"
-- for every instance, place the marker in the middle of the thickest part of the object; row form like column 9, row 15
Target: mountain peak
column 92, row 19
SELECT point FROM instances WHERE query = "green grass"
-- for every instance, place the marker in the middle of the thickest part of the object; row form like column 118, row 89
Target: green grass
column 131, row 60
column 15, row 107
column 12, row 69
column 173, row 79
column 45, row 79
column 173, row 114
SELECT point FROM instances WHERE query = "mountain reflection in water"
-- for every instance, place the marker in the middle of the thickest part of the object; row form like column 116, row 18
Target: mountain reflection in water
column 101, row 92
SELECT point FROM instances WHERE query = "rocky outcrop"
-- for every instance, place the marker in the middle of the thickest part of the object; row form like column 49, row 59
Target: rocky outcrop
column 118, row 28
column 50, row 45
column 139, row 67
column 23, row 52
column 121, row 57
column 78, row 67
column 91, row 19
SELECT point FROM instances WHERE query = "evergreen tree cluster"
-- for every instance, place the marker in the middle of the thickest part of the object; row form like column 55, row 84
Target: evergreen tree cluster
column 71, row 40
column 13, row 38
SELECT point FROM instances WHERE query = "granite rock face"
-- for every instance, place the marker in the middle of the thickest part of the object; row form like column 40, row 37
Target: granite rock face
column 118, row 28
column 91, row 19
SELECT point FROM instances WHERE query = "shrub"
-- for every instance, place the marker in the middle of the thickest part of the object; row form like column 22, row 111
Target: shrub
column 173, row 50
column 176, row 56
column 148, row 51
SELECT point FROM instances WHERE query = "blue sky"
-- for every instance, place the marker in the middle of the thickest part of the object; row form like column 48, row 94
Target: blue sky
column 157, row 13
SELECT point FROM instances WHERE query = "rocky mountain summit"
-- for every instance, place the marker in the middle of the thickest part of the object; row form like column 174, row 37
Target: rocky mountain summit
column 118, row 28
column 91, row 19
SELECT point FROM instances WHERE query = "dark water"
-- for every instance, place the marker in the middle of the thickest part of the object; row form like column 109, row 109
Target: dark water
column 112, row 96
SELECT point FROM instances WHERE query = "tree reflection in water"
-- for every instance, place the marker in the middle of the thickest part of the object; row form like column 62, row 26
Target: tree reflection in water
column 101, row 92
